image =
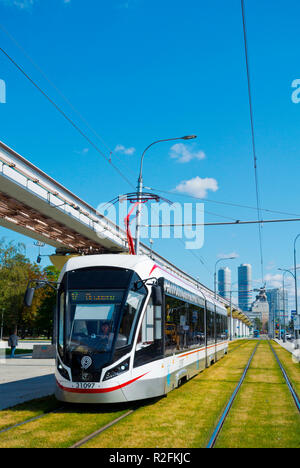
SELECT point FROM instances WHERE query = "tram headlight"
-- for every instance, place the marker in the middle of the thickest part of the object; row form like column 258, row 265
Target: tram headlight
column 115, row 371
column 63, row 372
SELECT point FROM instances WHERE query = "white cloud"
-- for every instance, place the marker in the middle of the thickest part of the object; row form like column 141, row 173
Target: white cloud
column 127, row 4
column 229, row 255
column 123, row 150
column 83, row 151
column 197, row 187
column 183, row 153
column 24, row 4
column 275, row 281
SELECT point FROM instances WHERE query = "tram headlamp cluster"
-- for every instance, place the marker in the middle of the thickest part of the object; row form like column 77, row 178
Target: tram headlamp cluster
column 63, row 372
column 115, row 371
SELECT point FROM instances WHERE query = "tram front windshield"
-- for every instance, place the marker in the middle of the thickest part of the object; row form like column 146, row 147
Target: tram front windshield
column 96, row 320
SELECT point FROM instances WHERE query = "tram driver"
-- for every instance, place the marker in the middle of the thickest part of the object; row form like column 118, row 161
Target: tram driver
column 106, row 336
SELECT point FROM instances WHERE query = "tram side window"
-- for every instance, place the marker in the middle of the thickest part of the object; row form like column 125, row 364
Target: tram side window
column 61, row 322
column 184, row 326
column 149, row 344
column 221, row 322
column 210, row 326
column 131, row 313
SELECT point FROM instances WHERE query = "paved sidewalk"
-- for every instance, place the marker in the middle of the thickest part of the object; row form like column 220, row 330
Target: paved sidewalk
column 288, row 345
column 23, row 344
column 23, row 379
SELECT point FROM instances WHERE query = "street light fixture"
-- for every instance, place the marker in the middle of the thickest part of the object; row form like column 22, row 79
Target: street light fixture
column 296, row 291
column 140, row 187
column 294, row 275
column 283, row 293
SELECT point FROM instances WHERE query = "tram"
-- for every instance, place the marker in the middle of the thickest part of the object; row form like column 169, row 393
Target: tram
column 128, row 329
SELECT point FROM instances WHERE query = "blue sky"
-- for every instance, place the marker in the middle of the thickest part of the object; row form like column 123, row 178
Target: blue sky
column 140, row 71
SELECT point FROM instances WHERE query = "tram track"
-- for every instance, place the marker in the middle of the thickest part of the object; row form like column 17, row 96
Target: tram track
column 27, row 421
column 102, row 429
column 286, row 378
column 225, row 413
column 67, row 409
column 110, row 418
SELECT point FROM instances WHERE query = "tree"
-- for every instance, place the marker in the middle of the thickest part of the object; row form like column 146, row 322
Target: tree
column 44, row 317
column 15, row 272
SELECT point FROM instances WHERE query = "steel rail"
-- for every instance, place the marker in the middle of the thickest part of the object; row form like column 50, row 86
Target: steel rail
column 27, row 421
column 287, row 380
column 224, row 415
column 102, row 429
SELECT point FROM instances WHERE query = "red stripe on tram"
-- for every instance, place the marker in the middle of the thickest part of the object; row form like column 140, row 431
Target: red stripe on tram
column 99, row 390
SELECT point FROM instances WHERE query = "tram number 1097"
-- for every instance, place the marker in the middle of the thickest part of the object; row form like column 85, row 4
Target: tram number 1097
column 85, row 385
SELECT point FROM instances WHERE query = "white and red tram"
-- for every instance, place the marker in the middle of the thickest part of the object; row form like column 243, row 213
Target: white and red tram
column 128, row 329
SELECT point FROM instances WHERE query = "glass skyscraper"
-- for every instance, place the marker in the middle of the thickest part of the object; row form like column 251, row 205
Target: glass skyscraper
column 245, row 286
column 224, row 282
column 278, row 307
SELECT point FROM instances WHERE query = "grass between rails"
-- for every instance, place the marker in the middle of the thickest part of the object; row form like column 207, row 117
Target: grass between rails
column 292, row 369
column 28, row 410
column 61, row 429
column 186, row 418
column 64, row 428
column 263, row 414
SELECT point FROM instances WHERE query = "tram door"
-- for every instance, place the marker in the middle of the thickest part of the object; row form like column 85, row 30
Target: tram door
column 150, row 343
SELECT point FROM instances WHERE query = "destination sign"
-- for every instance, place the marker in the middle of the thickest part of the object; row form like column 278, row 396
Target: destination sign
column 95, row 297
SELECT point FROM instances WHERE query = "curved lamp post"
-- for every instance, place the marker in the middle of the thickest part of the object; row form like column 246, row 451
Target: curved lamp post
column 140, row 187
column 296, row 292
column 285, row 270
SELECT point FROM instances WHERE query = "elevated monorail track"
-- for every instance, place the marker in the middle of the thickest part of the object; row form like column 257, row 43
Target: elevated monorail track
column 34, row 204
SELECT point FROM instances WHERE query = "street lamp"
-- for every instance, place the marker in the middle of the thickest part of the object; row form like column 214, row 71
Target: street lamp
column 285, row 270
column 140, row 187
column 283, row 299
column 296, row 292
column 215, row 273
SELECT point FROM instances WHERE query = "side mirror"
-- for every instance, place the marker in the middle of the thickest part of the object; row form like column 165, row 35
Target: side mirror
column 29, row 296
column 157, row 297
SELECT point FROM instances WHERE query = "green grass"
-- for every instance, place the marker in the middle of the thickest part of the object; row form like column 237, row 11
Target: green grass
column 187, row 416
column 25, row 411
column 18, row 351
column 162, row 423
column 292, row 369
column 61, row 429
column 263, row 414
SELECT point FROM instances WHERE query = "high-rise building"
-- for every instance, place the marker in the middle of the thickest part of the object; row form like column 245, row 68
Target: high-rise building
column 278, row 307
column 245, row 286
column 224, row 282
column 260, row 310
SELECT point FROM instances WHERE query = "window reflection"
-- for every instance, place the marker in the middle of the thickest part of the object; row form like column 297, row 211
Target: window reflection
column 184, row 326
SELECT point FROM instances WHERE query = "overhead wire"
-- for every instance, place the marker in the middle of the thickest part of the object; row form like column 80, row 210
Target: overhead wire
column 237, row 222
column 253, row 140
column 238, row 205
column 79, row 114
column 77, row 128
